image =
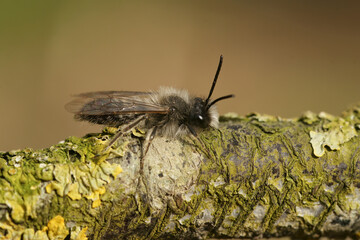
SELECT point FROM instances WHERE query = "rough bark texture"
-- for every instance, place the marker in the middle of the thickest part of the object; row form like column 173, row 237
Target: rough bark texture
column 258, row 176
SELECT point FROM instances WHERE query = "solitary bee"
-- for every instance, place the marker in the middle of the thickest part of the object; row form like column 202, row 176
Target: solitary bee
column 168, row 112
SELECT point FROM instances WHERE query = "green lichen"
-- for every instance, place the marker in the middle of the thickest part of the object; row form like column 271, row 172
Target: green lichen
column 18, row 185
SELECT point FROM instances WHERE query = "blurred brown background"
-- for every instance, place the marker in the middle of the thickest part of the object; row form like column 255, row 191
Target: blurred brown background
column 280, row 57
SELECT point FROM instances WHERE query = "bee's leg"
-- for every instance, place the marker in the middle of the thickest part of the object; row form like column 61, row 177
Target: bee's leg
column 148, row 139
column 124, row 130
column 147, row 142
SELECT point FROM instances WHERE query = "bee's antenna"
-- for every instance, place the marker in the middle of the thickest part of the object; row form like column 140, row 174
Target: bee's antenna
column 215, row 79
column 219, row 99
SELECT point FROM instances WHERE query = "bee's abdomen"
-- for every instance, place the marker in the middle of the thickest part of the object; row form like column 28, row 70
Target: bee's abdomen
column 108, row 120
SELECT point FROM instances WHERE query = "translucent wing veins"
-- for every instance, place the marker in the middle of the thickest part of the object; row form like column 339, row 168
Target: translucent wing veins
column 114, row 102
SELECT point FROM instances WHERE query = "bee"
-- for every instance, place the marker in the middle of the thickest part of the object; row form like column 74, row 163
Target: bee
column 168, row 112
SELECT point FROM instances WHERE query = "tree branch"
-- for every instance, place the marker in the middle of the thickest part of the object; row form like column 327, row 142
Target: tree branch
column 258, row 176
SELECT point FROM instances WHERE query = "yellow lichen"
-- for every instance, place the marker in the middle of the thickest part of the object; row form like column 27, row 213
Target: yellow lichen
column 12, row 171
column 111, row 130
column 138, row 132
column 74, row 191
column 82, row 234
column 55, row 186
column 79, row 234
column 95, row 197
column 116, row 171
column 56, row 228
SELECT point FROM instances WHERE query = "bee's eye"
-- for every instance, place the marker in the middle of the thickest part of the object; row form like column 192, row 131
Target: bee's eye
column 200, row 117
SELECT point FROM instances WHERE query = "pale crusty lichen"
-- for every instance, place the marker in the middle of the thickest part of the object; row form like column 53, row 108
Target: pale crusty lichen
column 230, row 116
column 84, row 180
column 167, row 173
column 263, row 117
column 334, row 132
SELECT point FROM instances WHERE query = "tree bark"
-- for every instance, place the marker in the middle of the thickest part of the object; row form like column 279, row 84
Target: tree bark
column 257, row 176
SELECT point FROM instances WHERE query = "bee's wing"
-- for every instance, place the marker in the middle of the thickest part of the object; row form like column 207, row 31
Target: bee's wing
column 107, row 94
column 114, row 102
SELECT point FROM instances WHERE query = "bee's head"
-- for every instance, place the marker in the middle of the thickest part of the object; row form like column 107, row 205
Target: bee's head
column 199, row 114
